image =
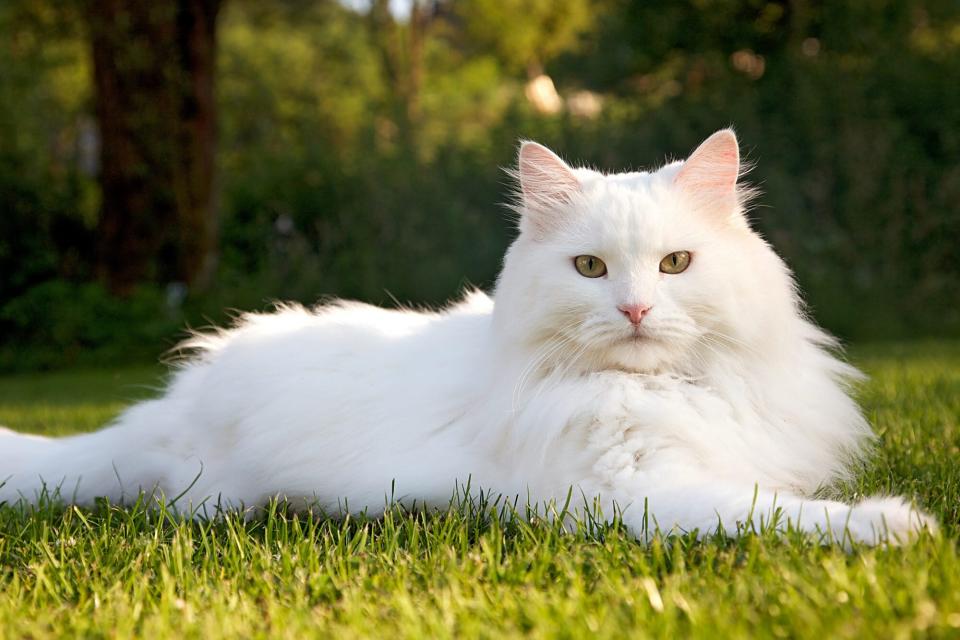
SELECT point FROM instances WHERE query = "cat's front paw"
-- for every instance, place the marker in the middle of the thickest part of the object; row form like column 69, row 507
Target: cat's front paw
column 887, row 521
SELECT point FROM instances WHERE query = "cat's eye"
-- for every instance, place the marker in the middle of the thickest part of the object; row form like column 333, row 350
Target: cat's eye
column 676, row 262
column 590, row 266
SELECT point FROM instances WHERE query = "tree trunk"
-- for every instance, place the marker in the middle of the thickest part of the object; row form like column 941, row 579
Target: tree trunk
column 402, row 53
column 153, row 68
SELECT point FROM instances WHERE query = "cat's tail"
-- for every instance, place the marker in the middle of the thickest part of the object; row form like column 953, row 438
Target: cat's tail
column 136, row 455
column 17, row 449
column 20, row 454
column 115, row 463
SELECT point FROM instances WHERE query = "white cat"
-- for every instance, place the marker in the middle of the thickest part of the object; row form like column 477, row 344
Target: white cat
column 643, row 345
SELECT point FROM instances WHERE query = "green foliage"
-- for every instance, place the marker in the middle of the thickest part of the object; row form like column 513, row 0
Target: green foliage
column 60, row 323
column 526, row 34
column 289, row 78
column 341, row 175
column 47, row 206
column 470, row 572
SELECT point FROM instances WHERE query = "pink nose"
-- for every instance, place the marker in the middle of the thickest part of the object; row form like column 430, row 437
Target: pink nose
column 634, row 312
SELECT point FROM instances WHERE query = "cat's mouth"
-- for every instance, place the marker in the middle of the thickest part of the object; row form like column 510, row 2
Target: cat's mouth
column 638, row 335
column 643, row 336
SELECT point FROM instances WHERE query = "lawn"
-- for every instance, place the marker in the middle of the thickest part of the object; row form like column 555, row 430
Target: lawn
column 467, row 573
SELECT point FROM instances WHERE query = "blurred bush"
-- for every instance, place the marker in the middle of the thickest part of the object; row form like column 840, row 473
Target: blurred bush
column 59, row 322
column 360, row 153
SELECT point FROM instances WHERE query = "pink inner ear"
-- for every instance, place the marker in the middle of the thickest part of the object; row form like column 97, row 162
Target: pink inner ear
column 713, row 168
column 544, row 178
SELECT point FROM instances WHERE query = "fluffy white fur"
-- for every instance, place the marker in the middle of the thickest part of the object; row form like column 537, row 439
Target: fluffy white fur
column 723, row 407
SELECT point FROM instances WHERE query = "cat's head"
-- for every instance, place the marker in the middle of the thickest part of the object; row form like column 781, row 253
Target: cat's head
column 644, row 271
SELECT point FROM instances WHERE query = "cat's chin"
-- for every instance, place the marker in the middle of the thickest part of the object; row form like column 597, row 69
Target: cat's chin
column 639, row 353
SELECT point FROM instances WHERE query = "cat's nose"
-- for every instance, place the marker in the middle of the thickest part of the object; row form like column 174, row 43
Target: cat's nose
column 635, row 312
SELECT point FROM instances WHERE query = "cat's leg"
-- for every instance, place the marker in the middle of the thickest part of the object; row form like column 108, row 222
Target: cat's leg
column 735, row 509
column 646, row 448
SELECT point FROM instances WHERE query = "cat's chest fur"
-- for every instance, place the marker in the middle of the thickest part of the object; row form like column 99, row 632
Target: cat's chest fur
column 619, row 429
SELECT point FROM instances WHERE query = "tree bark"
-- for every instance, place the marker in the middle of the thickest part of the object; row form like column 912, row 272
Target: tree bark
column 402, row 53
column 153, row 68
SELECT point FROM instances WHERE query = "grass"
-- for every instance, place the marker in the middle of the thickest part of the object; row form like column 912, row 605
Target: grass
column 469, row 573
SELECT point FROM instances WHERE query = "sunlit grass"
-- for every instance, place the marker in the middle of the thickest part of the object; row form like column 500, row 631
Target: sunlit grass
column 469, row 573
column 68, row 402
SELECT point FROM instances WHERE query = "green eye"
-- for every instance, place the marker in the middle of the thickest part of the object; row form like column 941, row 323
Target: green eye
column 590, row 266
column 676, row 262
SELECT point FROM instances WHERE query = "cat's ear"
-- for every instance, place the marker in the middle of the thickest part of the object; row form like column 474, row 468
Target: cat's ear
column 709, row 175
column 547, row 184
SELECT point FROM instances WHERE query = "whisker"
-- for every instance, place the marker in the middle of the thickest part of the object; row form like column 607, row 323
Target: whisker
column 549, row 349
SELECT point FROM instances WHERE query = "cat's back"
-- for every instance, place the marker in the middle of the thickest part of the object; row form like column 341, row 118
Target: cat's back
column 339, row 326
column 342, row 351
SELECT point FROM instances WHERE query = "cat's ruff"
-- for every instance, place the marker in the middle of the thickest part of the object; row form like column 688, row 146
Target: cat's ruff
column 676, row 370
